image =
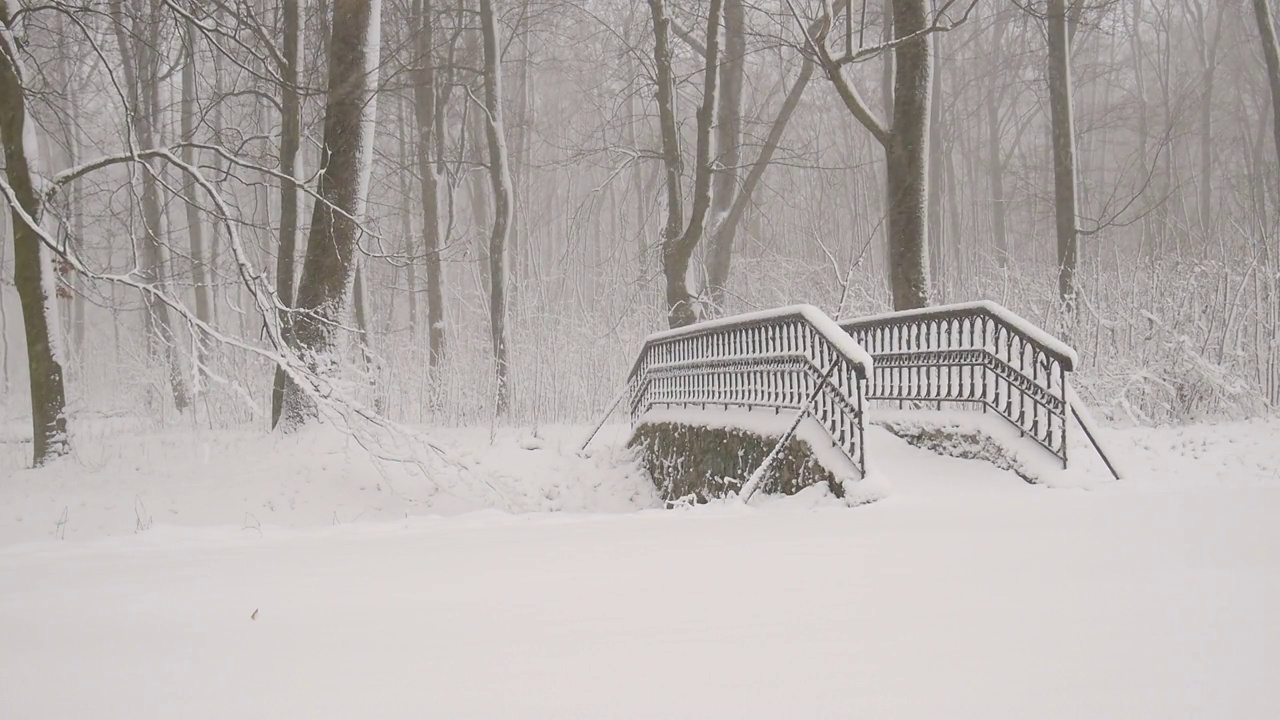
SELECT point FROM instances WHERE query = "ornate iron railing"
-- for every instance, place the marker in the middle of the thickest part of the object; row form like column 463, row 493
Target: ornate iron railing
column 791, row 358
column 972, row 355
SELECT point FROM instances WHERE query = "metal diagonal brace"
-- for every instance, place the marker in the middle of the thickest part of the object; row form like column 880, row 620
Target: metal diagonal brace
column 757, row 477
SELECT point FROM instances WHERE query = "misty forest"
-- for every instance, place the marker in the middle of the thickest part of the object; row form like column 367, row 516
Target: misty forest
column 905, row 359
column 428, row 211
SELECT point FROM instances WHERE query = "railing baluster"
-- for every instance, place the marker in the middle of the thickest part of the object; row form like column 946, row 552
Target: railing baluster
column 973, row 355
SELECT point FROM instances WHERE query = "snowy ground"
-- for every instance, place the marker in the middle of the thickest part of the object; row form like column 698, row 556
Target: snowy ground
column 963, row 593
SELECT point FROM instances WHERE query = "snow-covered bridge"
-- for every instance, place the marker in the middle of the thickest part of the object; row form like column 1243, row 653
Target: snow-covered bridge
column 793, row 373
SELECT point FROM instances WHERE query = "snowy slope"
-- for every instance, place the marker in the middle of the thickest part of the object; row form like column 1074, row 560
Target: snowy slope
column 122, row 479
column 965, row 593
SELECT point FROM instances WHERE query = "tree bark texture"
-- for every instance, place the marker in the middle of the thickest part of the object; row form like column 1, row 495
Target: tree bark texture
column 428, row 109
column 1271, row 53
column 1064, row 151
column 728, row 149
column 325, row 285
column 32, row 272
column 907, row 158
column 500, row 186
column 290, row 141
column 680, row 240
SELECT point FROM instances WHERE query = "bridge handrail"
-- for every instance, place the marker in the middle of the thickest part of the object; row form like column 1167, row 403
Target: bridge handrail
column 1031, row 332
column 976, row 353
column 776, row 359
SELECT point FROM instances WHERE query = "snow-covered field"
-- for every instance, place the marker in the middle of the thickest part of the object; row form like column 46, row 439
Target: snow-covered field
column 226, row 575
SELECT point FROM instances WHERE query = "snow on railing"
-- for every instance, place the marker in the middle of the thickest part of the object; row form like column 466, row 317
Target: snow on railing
column 976, row 355
column 778, row 359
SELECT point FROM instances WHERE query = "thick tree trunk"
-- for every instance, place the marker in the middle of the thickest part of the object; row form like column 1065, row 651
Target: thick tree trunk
column 1271, row 53
column 728, row 149
column 325, row 285
column 1064, row 153
column 500, row 186
column 32, row 271
column 680, row 240
column 290, row 141
column 679, row 303
column 428, row 109
column 907, row 159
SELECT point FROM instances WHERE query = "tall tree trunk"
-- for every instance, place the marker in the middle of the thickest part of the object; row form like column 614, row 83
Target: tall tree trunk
column 995, row 153
column 938, row 239
column 480, row 200
column 518, row 159
column 907, row 158
column 1209, row 66
column 6, row 377
column 1064, row 153
column 728, row 149
column 428, row 109
column 290, row 141
column 325, row 286
column 32, row 271
column 639, row 185
column 500, row 186
column 1147, row 226
column 406, row 159
column 1271, row 53
column 360, row 310
column 215, row 249
column 680, row 240
column 887, row 70
column 195, row 228
column 138, row 38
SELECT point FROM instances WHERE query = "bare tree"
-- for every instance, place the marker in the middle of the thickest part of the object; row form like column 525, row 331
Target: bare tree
column 195, row 223
column 139, row 38
column 1062, row 121
column 325, row 286
column 290, row 141
column 429, row 109
column 1208, row 41
column 728, row 148
column 905, row 138
column 679, row 239
column 730, row 201
column 32, row 271
column 500, row 187
column 1271, row 53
